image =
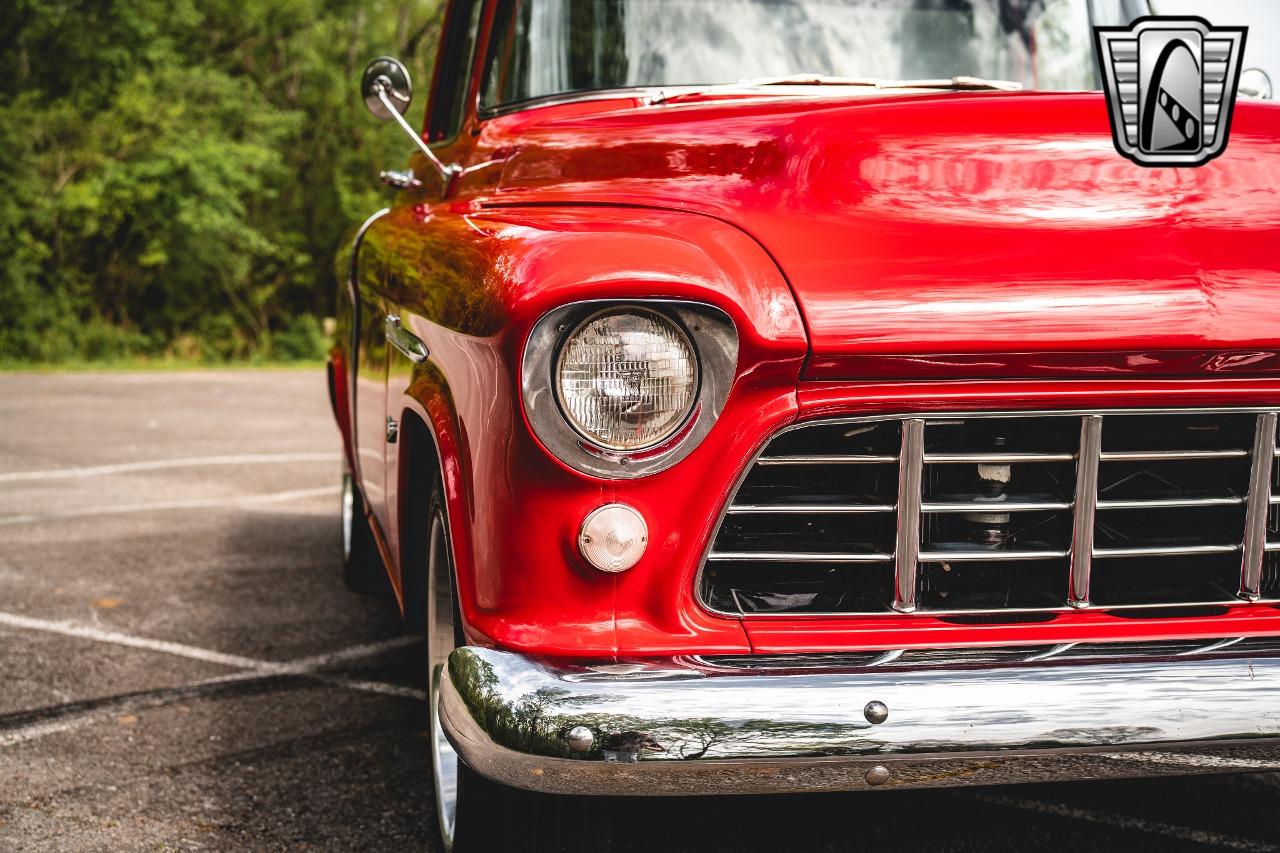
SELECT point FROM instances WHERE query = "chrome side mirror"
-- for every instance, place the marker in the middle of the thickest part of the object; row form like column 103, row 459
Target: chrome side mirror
column 387, row 92
column 1254, row 83
column 386, row 87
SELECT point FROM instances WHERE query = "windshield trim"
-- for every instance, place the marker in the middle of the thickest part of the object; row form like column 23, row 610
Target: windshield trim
column 560, row 98
column 658, row 95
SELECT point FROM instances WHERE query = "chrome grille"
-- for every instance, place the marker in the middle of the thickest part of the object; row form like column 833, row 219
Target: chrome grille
column 991, row 514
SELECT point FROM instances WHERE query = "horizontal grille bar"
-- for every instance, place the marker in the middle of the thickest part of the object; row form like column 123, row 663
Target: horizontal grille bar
column 995, row 506
column 806, row 509
column 958, row 556
column 995, row 458
column 1171, row 503
column 981, row 514
column 1166, row 550
column 1158, row 455
column 826, row 460
column 800, row 557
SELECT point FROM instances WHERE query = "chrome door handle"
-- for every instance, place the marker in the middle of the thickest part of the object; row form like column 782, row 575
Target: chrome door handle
column 400, row 180
column 405, row 341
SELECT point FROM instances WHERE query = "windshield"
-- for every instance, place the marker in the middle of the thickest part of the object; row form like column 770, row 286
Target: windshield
column 541, row 48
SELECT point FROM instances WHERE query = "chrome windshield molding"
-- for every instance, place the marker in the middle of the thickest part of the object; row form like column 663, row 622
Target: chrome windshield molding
column 644, row 94
column 1255, row 529
column 715, row 340
column 1086, row 504
column 906, row 554
column 1075, row 713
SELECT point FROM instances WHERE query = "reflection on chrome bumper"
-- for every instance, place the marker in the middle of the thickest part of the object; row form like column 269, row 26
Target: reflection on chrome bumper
column 688, row 725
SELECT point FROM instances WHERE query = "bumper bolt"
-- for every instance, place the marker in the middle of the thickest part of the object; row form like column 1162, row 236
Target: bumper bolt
column 580, row 738
column 876, row 713
column 878, row 775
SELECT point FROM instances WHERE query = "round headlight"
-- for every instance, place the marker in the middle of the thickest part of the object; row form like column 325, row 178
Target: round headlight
column 627, row 379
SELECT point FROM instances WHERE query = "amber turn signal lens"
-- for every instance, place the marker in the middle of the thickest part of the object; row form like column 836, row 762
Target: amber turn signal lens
column 613, row 537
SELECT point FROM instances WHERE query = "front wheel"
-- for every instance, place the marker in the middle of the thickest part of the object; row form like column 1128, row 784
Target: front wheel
column 474, row 813
column 443, row 636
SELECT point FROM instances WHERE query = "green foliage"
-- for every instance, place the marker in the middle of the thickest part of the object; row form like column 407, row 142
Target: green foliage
column 176, row 174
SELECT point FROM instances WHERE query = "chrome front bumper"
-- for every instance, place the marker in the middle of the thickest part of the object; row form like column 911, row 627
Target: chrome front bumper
column 719, row 726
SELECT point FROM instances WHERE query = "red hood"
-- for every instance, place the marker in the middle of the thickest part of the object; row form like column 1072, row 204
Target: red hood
column 958, row 234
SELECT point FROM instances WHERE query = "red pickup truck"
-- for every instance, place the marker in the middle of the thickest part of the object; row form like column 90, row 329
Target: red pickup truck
column 749, row 396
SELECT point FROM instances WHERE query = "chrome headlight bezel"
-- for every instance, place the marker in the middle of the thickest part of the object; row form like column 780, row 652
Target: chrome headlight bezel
column 714, row 341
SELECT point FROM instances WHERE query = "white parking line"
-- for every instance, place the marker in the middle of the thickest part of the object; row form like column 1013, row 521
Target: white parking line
column 88, row 632
column 160, row 464
column 367, row 650
column 247, row 668
column 1151, row 827
column 68, row 628
column 193, row 503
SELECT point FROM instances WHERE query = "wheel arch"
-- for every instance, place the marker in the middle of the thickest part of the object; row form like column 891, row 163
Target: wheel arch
column 429, row 448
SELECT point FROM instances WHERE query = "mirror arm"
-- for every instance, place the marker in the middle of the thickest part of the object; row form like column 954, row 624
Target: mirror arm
column 447, row 171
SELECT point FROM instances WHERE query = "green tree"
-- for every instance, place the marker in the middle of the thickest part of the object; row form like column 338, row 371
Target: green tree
column 175, row 174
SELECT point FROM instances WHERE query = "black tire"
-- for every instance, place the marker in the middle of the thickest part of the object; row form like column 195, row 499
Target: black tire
column 488, row 816
column 494, row 817
column 361, row 564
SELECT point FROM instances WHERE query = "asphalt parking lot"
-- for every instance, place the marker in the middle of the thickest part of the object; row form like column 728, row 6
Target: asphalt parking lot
column 181, row 667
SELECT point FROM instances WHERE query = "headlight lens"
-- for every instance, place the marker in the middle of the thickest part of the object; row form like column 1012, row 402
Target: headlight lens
column 627, row 379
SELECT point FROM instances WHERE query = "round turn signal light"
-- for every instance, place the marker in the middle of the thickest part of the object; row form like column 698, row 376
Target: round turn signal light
column 613, row 537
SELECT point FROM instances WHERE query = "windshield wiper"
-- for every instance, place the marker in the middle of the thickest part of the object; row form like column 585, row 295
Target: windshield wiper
column 971, row 84
column 959, row 83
